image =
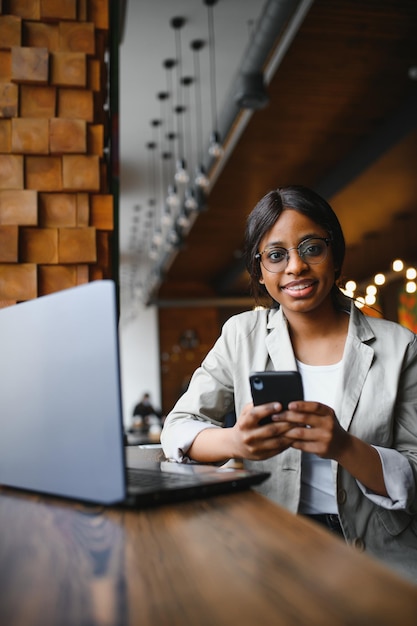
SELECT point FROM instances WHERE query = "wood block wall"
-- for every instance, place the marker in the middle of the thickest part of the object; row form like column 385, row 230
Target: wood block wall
column 56, row 210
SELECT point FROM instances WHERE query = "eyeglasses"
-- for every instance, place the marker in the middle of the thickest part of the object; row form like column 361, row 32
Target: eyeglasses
column 312, row 251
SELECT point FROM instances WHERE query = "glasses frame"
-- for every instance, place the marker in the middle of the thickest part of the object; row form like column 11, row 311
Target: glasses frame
column 327, row 240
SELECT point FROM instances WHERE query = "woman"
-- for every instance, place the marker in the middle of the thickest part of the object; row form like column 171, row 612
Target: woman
column 347, row 454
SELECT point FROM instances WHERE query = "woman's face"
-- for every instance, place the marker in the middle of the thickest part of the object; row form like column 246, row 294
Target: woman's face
column 299, row 287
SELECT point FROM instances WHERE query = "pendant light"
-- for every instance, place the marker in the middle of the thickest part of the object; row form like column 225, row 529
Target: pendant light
column 181, row 174
column 201, row 179
column 215, row 147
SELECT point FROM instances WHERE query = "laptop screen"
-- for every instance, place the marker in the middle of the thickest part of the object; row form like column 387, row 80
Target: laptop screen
column 60, row 402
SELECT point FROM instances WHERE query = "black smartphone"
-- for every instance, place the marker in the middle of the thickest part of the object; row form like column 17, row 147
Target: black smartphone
column 283, row 387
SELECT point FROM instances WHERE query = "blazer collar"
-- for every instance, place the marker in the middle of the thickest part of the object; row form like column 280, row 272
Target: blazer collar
column 278, row 342
column 358, row 358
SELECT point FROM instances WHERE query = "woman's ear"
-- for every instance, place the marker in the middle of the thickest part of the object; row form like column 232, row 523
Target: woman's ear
column 261, row 280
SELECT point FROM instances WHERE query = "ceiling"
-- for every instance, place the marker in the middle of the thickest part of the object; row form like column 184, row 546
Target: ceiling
column 341, row 118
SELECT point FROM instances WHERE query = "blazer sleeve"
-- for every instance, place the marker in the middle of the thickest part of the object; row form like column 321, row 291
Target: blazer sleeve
column 208, row 399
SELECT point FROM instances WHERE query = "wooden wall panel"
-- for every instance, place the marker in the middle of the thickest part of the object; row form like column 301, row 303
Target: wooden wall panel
column 8, row 99
column 5, row 65
column 185, row 337
column 19, row 207
column 30, row 135
column 10, row 31
column 37, row 101
column 5, row 136
column 56, row 214
column 9, row 244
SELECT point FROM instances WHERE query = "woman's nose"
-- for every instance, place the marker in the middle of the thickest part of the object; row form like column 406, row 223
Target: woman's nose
column 295, row 263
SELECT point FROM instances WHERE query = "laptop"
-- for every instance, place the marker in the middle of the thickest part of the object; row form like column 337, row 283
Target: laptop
column 61, row 423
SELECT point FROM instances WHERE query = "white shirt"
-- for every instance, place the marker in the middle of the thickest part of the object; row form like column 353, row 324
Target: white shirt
column 318, row 494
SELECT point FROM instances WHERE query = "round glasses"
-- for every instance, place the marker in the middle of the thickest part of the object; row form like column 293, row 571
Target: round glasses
column 312, row 251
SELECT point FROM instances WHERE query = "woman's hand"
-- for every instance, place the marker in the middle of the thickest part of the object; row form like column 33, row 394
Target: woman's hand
column 257, row 442
column 313, row 427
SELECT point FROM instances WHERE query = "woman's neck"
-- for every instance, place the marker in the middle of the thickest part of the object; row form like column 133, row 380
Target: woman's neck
column 319, row 338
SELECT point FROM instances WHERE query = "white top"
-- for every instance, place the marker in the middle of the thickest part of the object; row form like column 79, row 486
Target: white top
column 318, row 495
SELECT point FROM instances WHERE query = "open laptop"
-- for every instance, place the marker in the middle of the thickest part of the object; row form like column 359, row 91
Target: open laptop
column 61, row 426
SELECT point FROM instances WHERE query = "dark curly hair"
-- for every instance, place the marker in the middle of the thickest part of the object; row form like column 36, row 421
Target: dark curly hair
column 266, row 213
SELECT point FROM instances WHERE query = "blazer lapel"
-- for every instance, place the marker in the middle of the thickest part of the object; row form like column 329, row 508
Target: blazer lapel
column 358, row 359
column 278, row 342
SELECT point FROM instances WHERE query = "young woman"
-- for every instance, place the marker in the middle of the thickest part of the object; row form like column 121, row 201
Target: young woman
column 347, row 454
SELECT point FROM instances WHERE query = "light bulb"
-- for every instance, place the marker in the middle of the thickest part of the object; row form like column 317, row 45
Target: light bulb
column 157, row 237
column 201, row 178
column 172, row 198
column 370, row 299
column 181, row 174
column 397, row 265
column 379, row 279
column 190, row 202
column 215, row 147
column 153, row 253
column 350, row 285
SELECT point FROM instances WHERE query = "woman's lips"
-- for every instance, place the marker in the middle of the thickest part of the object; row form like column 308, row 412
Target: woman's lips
column 299, row 288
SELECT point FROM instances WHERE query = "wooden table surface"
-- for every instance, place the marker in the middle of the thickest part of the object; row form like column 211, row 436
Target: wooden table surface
column 227, row 560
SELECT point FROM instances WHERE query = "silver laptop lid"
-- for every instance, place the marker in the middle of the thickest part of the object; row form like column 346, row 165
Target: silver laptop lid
column 60, row 406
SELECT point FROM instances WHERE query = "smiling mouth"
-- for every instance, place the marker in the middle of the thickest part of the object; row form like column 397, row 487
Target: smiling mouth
column 298, row 286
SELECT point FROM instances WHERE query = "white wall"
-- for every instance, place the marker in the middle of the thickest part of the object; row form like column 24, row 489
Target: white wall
column 139, row 359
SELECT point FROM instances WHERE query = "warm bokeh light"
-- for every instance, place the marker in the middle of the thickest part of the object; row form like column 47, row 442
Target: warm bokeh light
column 370, row 299
column 411, row 287
column 371, row 290
column 379, row 279
column 360, row 302
column 350, row 286
column 411, row 273
column 397, row 265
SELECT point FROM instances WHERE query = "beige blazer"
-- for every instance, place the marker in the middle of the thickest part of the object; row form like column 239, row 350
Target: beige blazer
column 377, row 402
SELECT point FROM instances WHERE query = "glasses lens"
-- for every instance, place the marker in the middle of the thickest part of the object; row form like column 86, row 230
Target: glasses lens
column 313, row 250
column 274, row 259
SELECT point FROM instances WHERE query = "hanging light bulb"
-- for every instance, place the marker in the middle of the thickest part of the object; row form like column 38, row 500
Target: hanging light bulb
column 173, row 238
column 190, row 201
column 370, row 299
column 351, row 285
column 172, row 199
column 371, row 290
column 153, row 251
column 215, row 147
column 157, row 237
column 201, row 179
column 181, row 174
column 183, row 220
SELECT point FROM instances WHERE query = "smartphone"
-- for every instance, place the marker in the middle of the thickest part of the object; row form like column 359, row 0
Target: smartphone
column 283, row 387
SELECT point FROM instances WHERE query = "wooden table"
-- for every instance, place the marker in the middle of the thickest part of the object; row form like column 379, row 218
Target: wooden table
column 229, row 560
